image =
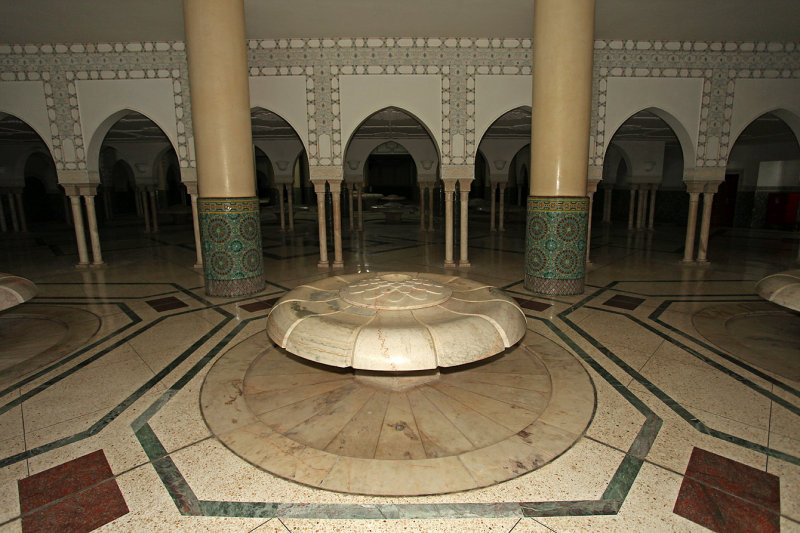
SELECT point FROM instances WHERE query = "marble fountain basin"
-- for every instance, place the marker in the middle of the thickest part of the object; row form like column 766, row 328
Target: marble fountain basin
column 395, row 321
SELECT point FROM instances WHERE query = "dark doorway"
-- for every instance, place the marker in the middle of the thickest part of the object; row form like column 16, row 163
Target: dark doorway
column 723, row 211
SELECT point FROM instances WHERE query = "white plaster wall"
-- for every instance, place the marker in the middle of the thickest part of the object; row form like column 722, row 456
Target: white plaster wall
column 99, row 99
column 360, row 149
column 679, row 97
column 645, row 160
column 754, row 97
column 420, row 95
column 497, row 95
column 779, row 174
column 285, row 96
column 26, row 101
column 501, row 149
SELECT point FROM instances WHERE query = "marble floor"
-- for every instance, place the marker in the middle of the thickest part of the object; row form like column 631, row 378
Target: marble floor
column 696, row 424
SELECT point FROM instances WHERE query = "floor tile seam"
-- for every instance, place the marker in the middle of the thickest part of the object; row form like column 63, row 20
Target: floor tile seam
column 710, row 362
column 73, row 419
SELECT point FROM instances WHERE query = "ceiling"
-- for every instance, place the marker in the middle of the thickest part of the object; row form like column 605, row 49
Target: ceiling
column 60, row 21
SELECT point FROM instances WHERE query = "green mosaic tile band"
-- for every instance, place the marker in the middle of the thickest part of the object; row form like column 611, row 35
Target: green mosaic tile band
column 555, row 244
column 230, row 234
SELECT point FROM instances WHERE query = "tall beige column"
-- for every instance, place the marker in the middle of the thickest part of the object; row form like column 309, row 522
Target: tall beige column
column 653, row 189
column 691, row 221
column 23, row 223
column 94, row 234
column 153, row 208
column 422, row 187
column 3, row 226
column 563, row 48
column 351, row 190
column 464, row 186
column 290, row 206
column 449, row 191
column 80, row 235
column 430, row 203
column 319, row 188
column 632, row 206
column 216, row 51
column 502, row 215
column 336, row 196
column 493, row 186
column 145, row 210
column 705, row 224
column 280, row 204
column 12, row 210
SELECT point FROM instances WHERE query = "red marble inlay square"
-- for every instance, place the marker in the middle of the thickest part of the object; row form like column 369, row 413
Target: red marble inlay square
column 727, row 496
column 166, row 304
column 624, row 302
column 79, row 513
column 532, row 304
column 62, row 480
column 259, row 305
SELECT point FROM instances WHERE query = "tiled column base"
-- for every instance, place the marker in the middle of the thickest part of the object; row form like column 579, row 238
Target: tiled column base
column 230, row 233
column 555, row 244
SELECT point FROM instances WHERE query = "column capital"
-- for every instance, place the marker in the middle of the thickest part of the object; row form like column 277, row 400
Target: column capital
column 591, row 185
column 78, row 177
column 458, row 172
column 328, row 172
column 704, row 174
column 80, row 189
column 695, row 186
column 191, row 186
column 449, row 184
column 189, row 174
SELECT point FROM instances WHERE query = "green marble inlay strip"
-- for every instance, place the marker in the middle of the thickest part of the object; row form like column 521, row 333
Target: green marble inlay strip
column 655, row 316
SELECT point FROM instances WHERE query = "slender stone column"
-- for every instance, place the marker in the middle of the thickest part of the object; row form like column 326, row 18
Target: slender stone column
column 608, row 192
column 632, row 206
column 591, row 188
column 653, row 189
column 493, row 186
column 280, row 204
column 290, row 207
column 705, row 224
column 23, row 224
column 319, row 188
column 422, row 188
column 464, row 186
column 80, row 236
column 145, row 210
column 336, row 196
column 191, row 188
column 12, row 210
column 228, row 208
column 644, row 197
column 360, row 210
column 691, row 225
column 502, row 216
column 351, row 190
column 430, row 211
column 449, row 190
column 153, row 208
column 563, row 46
column 94, row 235
column 3, row 226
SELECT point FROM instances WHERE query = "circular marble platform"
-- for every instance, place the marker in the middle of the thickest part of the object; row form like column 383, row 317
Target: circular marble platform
column 395, row 321
column 782, row 288
column 760, row 333
column 475, row 426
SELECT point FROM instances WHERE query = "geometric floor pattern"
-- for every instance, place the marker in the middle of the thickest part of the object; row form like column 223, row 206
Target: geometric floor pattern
column 663, row 390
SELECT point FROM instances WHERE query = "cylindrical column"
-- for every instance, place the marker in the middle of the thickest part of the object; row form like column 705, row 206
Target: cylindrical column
column 323, row 233
column 652, row 213
column 3, row 226
column 464, row 237
column 644, row 192
column 360, row 210
column 493, row 186
column 421, row 207
column 153, row 208
column 607, row 204
column 336, row 197
column 80, row 236
column 94, row 235
column 280, row 203
column 290, row 210
column 351, row 191
column 145, row 210
column 705, row 224
column 501, row 217
column 448, row 226
column 691, row 225
column 632, row 207
column 23, row 224
column 228, row 209
column 563, row 45
column 12, row 210
column 198, row 247
column 430, row 210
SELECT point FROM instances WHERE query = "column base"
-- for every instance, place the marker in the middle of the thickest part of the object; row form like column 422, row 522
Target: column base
column 231, row 288
column 101, row 264
column 338, row 265
column 449, row 264
column 82, row 266
column 322, row 265
column 554, row 287
column 198, row 266
column 703, row 262
column 687, row 262
column 464, row 264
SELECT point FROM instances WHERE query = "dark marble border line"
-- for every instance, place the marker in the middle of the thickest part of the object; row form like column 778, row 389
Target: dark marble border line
column 676, row 406
column 134, row 319
column 122, row 406
column 655, row 316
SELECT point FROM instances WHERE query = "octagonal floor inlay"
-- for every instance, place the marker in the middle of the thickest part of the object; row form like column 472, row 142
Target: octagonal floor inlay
column 475, row 426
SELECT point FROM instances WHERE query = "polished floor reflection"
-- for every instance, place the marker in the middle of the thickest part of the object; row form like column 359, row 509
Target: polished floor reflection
column 101, row 389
